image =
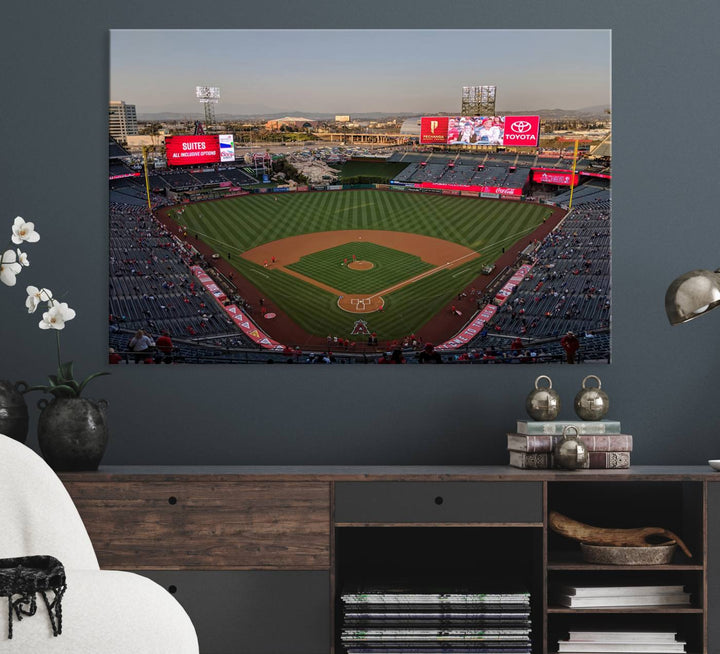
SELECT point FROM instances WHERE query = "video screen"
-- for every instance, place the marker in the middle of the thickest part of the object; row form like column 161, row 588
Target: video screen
column 480, row 130
column 199, row 150
column 192, row 150
column 476, row 130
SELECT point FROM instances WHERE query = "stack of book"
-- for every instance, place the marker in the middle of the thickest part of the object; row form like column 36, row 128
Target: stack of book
column 648, row 642
column 583, row 597
column 531, row 446
column 383, row 621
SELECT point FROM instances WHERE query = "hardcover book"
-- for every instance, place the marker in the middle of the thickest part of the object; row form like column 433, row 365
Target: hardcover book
column 623, row 648
column 623, row 636
column 667, row 599
column 546, row 442
column 596, row 460
column 603, row 591
column 555, row 427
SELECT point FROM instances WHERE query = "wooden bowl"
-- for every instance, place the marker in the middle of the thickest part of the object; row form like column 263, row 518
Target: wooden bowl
column 622, row 555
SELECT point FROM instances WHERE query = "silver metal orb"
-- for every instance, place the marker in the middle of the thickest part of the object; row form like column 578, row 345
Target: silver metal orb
column 570, row 453
column 591, row 403
column 543, row 403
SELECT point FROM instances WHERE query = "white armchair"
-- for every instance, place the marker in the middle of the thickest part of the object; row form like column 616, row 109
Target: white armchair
column 104, row 612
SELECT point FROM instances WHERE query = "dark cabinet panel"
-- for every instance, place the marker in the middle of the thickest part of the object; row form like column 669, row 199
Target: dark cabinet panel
column 254, row 611
column 713, row 568
column 438, row 501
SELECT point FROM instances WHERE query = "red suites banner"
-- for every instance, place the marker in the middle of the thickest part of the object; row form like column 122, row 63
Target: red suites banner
column 192, row 150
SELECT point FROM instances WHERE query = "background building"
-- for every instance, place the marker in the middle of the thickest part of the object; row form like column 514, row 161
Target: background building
column 122, row 120
column 296, row 122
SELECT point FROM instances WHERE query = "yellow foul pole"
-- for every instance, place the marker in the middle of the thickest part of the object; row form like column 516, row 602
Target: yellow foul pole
column 147, row 181
column 572, row 177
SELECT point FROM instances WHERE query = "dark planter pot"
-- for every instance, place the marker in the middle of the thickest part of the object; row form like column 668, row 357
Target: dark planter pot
column 13, row 410
column 72, row 433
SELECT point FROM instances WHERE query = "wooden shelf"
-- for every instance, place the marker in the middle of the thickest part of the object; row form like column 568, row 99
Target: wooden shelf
column 623, row 568
column 625, row 609
column 573, row 561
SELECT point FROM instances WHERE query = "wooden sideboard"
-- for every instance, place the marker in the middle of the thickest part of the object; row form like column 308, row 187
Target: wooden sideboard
column 259, row 555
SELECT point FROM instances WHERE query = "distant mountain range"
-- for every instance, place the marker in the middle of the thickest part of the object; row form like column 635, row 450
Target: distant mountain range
column 598, row 111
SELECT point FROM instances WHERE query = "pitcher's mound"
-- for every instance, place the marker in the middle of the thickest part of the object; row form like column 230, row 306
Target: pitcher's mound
column 360, row 265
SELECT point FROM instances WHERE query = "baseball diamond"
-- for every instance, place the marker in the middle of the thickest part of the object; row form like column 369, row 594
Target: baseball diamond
column 399, row 258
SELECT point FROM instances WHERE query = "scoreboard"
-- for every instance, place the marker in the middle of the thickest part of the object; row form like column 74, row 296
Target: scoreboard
column 480, row 130
column 199, row 150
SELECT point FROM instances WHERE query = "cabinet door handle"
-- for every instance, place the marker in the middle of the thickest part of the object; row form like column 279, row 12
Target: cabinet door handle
column 439, row 500
column 172, row 500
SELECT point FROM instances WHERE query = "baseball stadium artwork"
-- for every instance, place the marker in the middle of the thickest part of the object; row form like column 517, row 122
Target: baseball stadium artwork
column 320, row 214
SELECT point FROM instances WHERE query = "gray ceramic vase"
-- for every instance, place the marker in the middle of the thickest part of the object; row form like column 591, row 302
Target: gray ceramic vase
column 72, row 433
column 13, row 410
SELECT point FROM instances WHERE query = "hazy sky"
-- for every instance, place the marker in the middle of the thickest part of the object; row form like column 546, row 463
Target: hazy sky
column 355, row 71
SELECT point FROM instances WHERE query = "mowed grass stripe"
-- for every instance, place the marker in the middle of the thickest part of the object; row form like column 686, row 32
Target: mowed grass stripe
column 390, row 267
column 260, row 217
column 239, row 224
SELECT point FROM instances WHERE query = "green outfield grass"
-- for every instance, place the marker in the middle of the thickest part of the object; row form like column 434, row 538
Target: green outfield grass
column 234, row 225
column 390, row 267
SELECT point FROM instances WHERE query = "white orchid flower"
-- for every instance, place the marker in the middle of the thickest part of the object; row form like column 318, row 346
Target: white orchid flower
column 22, row 258
column 22, row 231
column 56, row 316
column 9, row 267
column 36, row 296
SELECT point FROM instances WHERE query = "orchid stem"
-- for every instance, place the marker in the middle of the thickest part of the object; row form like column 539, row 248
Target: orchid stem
column 57, row 334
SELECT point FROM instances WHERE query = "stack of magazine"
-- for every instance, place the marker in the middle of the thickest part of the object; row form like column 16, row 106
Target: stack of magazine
column 584, row 597
column 599, row 642
column 391, row 621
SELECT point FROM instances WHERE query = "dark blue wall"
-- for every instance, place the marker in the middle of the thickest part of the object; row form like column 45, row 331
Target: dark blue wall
column 663, row 382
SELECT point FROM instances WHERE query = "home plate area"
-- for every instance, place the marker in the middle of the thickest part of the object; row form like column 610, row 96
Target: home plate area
column 361, row 303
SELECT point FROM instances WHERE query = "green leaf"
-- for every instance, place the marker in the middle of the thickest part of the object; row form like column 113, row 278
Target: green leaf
column 53, row 380
column 45, row 389
column 89, row 379
column 65, row 371
column 63, row 391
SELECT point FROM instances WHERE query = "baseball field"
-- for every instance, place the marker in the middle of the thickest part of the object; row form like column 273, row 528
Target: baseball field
column 327, row 259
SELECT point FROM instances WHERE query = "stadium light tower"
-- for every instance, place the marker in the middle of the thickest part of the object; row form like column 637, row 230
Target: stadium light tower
column 208, row 96
column 478, row 101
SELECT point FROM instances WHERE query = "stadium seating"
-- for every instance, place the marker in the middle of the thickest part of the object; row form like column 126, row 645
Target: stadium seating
column 151, row 286
column 593, row 191
column 568, row 288
column 119, row 168
column 116, row 151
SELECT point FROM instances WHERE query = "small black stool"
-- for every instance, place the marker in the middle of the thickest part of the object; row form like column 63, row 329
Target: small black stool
column 22, row 578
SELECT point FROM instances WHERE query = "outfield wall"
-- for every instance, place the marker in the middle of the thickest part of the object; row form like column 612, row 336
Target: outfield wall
column 489, row 192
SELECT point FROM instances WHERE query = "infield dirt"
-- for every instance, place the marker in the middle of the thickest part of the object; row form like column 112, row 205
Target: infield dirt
column 435, row 251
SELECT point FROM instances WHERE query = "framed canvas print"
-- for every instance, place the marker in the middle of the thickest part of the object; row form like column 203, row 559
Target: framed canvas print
column 360, row 196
